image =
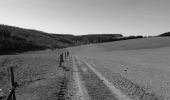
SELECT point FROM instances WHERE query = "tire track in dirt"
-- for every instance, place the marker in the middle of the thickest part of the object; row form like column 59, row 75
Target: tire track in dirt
column 61, row 94
column 95, row 87
column 108, row 85
column 82, row 92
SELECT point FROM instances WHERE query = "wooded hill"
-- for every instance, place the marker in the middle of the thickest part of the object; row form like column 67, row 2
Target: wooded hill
column 15, row 39
column 165, row 34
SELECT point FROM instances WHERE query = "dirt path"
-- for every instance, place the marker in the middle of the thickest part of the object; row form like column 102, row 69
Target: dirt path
column 94, row 84
column 82, row 92
column 110, row 86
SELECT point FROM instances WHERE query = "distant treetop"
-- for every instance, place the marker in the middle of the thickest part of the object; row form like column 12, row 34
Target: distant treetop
column 165, row 34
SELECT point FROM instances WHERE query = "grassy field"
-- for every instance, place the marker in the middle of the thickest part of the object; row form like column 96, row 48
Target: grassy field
column 37, row 73
column 145, row 62
column 139, row 68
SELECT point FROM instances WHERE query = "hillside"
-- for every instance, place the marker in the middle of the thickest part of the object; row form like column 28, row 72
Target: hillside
column 145, row 62
column 35, row 37
column 14, row 39
column 135, row 44
column 165, row 34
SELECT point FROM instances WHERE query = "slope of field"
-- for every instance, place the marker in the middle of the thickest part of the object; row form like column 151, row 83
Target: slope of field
column 145, row 62
column 145, row 43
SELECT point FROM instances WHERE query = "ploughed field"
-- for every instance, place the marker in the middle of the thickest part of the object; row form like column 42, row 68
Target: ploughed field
column 140, row 68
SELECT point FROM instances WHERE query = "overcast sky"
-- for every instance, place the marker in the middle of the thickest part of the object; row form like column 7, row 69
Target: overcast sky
column 127, row 17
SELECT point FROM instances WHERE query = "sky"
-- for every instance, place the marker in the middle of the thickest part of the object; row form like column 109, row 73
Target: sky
column 78, row 17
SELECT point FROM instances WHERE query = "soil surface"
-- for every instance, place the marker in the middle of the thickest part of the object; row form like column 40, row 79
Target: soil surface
column 96, row 86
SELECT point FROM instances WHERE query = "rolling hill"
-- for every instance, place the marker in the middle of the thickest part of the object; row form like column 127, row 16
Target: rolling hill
column 165, row 34
column 145, row 62
column 135, row 44
column 14, row 39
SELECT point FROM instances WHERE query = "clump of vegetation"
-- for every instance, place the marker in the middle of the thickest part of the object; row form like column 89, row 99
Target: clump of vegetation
column 165, row 34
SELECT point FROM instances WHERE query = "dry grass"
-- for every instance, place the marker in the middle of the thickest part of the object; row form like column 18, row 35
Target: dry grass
column 37, row 74
column 142, row 61
column 136, row 44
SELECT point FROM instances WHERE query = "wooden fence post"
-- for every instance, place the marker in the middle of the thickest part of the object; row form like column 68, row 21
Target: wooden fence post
column 65, row 55
column 61, row 59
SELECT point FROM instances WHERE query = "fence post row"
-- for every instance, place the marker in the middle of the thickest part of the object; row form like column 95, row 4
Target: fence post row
column 62, row 56
column 11, row 95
